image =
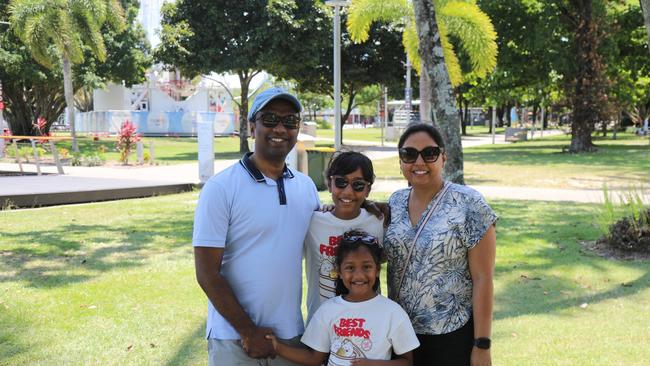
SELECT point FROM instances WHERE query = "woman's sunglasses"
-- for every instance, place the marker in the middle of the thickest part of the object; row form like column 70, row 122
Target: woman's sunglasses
column 357, row 185
column 366, row 239
column 270, row 120
column 430, row 154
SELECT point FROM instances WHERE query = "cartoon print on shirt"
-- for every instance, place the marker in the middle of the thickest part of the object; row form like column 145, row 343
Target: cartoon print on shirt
column 328, row 277
column 349, row 334
column 327, row 271
column 346, row 352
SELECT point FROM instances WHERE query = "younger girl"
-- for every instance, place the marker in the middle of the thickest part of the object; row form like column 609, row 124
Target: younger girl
column 360, row 326
column 349, row 177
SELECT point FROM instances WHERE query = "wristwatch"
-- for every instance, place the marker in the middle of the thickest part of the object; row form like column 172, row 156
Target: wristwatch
column 482, row 343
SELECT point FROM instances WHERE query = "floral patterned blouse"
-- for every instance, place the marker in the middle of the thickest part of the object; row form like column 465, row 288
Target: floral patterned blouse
column 436, row 291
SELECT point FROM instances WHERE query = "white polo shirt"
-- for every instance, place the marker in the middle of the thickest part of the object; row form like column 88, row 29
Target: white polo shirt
column 261, row 224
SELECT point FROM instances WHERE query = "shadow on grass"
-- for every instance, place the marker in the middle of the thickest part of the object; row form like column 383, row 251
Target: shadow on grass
column 186, row 351
column 12, row 328
column 75, row 253
column 534, row 281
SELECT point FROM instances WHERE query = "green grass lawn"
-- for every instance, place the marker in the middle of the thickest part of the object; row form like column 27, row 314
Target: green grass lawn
column 113, row 284
column 541, row 163
column 167, row 150
column 374, row 133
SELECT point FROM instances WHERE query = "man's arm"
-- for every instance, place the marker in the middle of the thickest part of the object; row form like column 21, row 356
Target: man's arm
column 207, row 262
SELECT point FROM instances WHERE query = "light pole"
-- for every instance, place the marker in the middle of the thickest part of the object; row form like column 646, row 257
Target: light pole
column 408, row 91
column 337, row 4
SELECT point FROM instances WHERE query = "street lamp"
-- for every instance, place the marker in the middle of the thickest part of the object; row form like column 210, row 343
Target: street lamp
column 408, row 91
column 337, row 4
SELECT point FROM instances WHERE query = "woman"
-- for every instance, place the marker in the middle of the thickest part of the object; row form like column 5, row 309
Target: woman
column 441, row 245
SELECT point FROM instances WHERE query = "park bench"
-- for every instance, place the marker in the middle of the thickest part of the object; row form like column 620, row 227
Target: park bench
column 516, row 134
column 50, row 139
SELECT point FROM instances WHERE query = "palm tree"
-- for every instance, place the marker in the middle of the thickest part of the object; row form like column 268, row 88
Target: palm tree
column 462, row 19
column 57, row 31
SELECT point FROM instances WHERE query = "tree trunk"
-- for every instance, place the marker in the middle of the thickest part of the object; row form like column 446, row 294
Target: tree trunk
column 69, row 100
column 348, row 110
column 645, row 7
column 425, row 104
column 459, row 100
column 490, row 116
column 500, row 112
column 545, row 121
column 588, row 87
column 244, row 83
column 442, row 98
column 466, row 117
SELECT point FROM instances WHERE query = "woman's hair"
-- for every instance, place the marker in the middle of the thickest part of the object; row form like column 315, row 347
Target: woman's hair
column 347, row 162
column 352, row 241
column 421, row 127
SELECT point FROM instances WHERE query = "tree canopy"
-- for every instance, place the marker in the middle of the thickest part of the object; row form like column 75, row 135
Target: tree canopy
column 32, row 90
column 239, row 37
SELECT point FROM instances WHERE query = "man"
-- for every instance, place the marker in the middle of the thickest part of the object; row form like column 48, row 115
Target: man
column 249, row 228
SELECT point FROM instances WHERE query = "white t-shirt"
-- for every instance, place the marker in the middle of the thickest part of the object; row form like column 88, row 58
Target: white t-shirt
column 323, row 236
column 356, row 330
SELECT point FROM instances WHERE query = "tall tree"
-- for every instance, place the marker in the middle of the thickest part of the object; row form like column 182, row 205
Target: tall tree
column 238, row 37
column 32, row 90
column 587, row 84
column 56, row 31
column 533, row 54
column 629, row 69
column 462, row 26
column 363, row 64
column 442, row 94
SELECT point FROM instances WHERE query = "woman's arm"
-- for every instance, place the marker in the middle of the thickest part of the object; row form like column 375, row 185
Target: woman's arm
column 481, row 267
column 303, row 356
column 405, row 359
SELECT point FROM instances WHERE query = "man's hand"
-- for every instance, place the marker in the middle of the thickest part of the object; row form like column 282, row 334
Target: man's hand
column 481, row 357
column 256, row 345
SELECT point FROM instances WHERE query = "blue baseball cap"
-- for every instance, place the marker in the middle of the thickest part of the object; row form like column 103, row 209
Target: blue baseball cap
column 265, row 97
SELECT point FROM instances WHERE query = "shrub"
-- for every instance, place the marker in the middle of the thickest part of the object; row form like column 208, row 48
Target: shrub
column 76, row 159
column 93, row 159
column 64, row 153
column 630, row 235
column 88, row 159
column 126, row 139
column 631, row 232
column 323, row 125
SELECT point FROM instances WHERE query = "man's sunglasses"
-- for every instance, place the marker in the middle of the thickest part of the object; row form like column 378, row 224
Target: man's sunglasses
column 364, row 238
column 430, row 154
column 357, row 185
column 270, row 120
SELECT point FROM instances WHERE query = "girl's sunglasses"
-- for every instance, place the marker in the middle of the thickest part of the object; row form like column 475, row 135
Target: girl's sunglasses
column 366, row 239
column 357, row 185
column 270, row 120
column 430, row 154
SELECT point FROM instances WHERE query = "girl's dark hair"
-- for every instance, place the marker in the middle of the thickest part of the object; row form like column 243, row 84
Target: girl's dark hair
column 347, row 162
column 352, row 241
column 421, row 127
